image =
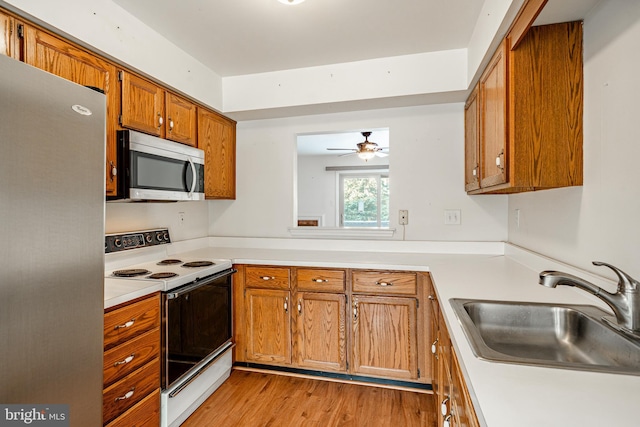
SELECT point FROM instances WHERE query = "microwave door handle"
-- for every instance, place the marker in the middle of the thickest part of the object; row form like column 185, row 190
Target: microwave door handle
column 193, row 171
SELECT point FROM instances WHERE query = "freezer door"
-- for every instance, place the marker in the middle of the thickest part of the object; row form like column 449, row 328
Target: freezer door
column 52, row 142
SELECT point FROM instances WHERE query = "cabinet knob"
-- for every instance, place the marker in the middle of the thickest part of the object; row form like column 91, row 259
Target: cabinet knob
column 434, row 347
column 170, row 124
column 286, row 305
column 114, row 170
column 499, row 161
column 447, row 421
column 160, row 120
column 300, row 306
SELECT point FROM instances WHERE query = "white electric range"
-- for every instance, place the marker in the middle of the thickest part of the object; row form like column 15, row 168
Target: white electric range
column 196, row 331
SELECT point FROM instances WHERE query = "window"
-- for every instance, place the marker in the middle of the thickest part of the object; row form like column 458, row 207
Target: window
column 364, row 200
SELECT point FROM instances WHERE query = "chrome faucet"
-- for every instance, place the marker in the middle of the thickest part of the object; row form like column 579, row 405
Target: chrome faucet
column 625, row 303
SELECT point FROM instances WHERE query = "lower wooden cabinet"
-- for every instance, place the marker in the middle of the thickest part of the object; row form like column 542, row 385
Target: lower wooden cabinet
column 131, row 394
column 385, row 337
column 268, row 322
column 320, row 331
column 358, row 322
column 453, row 404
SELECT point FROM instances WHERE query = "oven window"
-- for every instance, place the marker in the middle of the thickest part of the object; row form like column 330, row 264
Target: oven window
column 198, row 323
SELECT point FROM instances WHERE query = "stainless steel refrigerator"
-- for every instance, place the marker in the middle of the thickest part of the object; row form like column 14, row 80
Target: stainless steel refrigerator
column 52, row 148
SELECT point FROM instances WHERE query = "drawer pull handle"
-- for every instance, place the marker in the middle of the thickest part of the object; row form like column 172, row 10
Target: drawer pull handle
column 127, row 395
column 444, row 407
column 126, row 325
column 384, row 283
column 300, row 306
column 447, row 421
column 267, row 277
column 126, row 360
column 434, row 347
column 286, row 305
column 320, row 280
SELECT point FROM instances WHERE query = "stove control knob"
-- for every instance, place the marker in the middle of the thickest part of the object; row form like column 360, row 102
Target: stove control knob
column 166, row 236
column 117, row 242
column 148, row 237
column 159, row 237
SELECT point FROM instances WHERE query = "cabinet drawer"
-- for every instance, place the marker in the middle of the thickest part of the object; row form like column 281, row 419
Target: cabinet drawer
column 320, row 280
column 267, row 277
column 120, row 361
column 388, row 283
column 130, row 390
column 142, row 414
column 132, row 320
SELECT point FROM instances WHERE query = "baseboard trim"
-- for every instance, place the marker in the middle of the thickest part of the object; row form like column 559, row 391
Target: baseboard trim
column 335, row 376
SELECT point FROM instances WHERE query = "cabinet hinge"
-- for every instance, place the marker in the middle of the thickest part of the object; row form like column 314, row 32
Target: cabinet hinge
column 347, row 363
column 418, row 373
column 121, row 75
column 120, row 119
column 21, row 31
column 417, row 303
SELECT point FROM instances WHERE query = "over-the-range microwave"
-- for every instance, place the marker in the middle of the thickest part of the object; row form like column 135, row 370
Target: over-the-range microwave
column 152, row 168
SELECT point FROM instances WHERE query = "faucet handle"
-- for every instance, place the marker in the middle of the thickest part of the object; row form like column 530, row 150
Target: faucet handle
column 625, row 282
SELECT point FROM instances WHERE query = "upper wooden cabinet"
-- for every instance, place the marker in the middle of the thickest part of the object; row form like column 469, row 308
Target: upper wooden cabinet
column 217, row 137
column 8, row 36
column 471, row 142
column 49, row 53
column 148, row 108
column 530, row 100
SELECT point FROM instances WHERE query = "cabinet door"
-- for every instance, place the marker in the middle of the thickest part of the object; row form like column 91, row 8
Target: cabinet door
column 65, row 60
column 8, row 43
column 385, row 337
column 493, row 119
column 320, row 331
column 472, row 142
column 181, row 120
column 268, row 323
column 217, row 137
column 142, row 105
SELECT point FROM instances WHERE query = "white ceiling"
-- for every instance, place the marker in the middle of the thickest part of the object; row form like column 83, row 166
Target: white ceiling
column 237, row 37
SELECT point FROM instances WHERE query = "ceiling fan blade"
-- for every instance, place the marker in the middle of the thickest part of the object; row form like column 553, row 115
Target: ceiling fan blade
column 348, row 154
column 343, row 149
column 381, row 154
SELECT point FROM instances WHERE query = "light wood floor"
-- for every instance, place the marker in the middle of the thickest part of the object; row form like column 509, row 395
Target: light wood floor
column 255, row 399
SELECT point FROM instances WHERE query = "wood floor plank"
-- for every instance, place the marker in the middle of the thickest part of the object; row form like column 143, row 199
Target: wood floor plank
column 256, row 399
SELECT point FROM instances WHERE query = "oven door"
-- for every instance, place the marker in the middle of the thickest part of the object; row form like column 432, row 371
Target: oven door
column 196, row 326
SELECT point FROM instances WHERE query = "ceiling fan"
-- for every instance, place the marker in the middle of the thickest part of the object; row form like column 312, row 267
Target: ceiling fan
column 366, row 149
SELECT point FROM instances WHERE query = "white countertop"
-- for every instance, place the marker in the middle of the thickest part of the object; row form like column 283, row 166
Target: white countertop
column 505, row 395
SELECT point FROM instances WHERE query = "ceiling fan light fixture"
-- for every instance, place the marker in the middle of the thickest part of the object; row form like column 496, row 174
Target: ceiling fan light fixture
column 366, row 155
column 290, row 2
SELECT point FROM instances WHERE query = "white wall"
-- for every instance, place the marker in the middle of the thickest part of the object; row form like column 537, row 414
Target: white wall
column 122, row 216
column 426, row 165
column 599, row 221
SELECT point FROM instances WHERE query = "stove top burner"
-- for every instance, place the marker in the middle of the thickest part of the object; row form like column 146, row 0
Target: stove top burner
column 132, row 272
column 163, row 275
column 170, row 261
column 194, row 264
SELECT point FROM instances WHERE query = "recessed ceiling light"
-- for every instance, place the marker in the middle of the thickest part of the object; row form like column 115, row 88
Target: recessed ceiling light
column 290, row 2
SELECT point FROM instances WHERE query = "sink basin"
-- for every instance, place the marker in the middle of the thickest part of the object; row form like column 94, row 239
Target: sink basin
column 551, row 335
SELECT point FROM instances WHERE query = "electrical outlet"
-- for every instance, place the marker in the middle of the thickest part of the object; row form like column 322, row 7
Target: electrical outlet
column 403, row 217
column 452, row 216
column 181, row 217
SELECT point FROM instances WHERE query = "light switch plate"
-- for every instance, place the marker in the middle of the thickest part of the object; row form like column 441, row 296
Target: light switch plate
column 452, row 216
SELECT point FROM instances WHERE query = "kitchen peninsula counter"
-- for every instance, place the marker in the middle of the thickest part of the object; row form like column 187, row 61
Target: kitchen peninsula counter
column 504, row 395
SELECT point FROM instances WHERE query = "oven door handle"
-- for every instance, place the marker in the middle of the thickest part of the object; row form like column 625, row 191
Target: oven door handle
column 198, row 283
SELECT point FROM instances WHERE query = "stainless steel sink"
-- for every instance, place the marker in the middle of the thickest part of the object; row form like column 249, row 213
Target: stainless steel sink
column 552, row 335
